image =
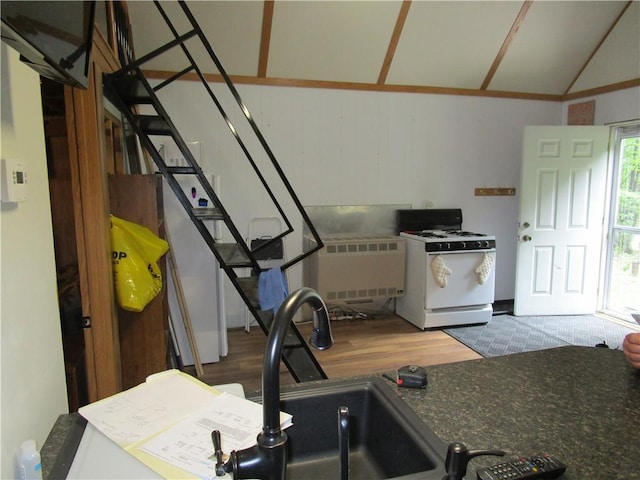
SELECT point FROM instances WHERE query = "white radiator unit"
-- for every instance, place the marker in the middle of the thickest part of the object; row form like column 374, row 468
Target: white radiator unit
column 356, row 269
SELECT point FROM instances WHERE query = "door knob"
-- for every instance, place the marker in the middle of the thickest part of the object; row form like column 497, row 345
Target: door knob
column 526, row 238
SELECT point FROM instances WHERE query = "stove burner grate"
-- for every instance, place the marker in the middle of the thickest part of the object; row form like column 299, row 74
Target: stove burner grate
column 464, row 233
column 444, row 233
column 429, row 234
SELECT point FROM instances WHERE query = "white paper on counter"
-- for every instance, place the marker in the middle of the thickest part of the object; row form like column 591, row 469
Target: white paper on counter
column 135, row 414
column 166, row 423
column 188, row 444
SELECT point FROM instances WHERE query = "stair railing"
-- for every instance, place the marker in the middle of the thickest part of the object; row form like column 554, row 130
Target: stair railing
column 130, row 87
column 179, row 40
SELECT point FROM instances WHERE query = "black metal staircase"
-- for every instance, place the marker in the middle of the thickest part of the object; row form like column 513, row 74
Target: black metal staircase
column 131, row 92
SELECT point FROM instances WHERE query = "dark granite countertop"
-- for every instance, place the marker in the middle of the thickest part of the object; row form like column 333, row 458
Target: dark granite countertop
column 581, row 404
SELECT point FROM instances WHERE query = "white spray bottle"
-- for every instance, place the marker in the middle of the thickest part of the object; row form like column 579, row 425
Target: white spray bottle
column 28, row 461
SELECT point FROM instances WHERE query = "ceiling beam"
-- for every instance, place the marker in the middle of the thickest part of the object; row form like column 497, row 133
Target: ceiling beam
column 603, row 89
column 393, row 43
column 606, row 35
column 505, row 45
column 372, row 87
column 367, row 87
column 265, row 38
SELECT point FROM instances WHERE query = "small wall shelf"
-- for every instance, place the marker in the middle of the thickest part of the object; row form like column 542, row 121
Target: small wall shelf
column 494, row 192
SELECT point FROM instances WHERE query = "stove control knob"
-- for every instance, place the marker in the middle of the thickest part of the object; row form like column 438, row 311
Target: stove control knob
column 479, row 244
column 463, row 245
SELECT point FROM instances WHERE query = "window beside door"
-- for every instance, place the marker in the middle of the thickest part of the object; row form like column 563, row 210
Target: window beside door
column 622, row 280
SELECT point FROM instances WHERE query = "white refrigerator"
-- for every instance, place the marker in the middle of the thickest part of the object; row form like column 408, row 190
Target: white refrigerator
column 201, row 278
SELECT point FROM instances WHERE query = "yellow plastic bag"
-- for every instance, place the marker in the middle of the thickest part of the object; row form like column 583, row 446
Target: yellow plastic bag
column 135, row 253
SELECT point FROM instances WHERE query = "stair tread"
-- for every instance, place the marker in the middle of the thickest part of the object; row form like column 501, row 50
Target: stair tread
column 132, row 90
column 182, row 170
column 233, row 255
column 154, row 125
column 295, row 352
column 305, row 370
column 249, row 286
column 208, row 213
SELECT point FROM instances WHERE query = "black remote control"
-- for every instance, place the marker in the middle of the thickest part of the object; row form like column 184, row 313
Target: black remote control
column 539, row 466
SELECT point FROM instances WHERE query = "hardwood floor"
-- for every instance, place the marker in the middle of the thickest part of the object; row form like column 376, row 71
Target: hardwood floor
column 361, row 346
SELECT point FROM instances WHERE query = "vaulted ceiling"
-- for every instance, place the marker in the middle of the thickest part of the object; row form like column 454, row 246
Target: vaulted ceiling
column 530, row 49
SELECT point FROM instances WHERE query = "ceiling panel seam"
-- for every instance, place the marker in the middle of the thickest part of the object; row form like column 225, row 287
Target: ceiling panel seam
column 505, row 45
column 593, row 54
column 393, row 43
column 265, row 38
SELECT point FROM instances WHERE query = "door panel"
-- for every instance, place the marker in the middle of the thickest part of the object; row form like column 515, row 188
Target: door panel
column 576, row 269
column 561, row 213
column 579, row 208
column 547, row 199
column 542, row 268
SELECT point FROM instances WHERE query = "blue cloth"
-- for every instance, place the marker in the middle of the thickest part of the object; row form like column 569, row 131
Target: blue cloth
column 272, row 289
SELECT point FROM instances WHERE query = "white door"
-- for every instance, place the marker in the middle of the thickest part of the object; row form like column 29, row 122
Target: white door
column 561, row 220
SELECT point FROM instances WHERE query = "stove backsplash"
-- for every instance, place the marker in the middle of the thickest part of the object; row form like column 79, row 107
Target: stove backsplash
column 428, row 219
column 354, row 220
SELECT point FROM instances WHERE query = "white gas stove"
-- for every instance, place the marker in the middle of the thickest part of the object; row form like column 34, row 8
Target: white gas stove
column 450, row 272
column 451, row 240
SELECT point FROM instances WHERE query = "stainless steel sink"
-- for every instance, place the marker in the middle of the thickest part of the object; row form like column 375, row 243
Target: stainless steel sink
column 387, row 439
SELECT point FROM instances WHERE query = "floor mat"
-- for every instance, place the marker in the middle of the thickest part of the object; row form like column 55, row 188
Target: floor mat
column 584, row 330
column 506, row 334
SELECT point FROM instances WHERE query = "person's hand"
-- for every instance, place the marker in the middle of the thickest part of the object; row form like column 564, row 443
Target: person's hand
column 631, row 347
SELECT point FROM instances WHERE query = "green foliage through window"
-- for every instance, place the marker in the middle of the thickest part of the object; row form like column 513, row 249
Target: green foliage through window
column 629, row 184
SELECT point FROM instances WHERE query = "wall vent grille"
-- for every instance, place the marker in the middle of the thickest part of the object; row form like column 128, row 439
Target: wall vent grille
column 356, row 269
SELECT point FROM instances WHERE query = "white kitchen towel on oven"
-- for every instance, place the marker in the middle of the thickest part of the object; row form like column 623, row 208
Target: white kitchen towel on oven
column 440, row 271
column 484, row 269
